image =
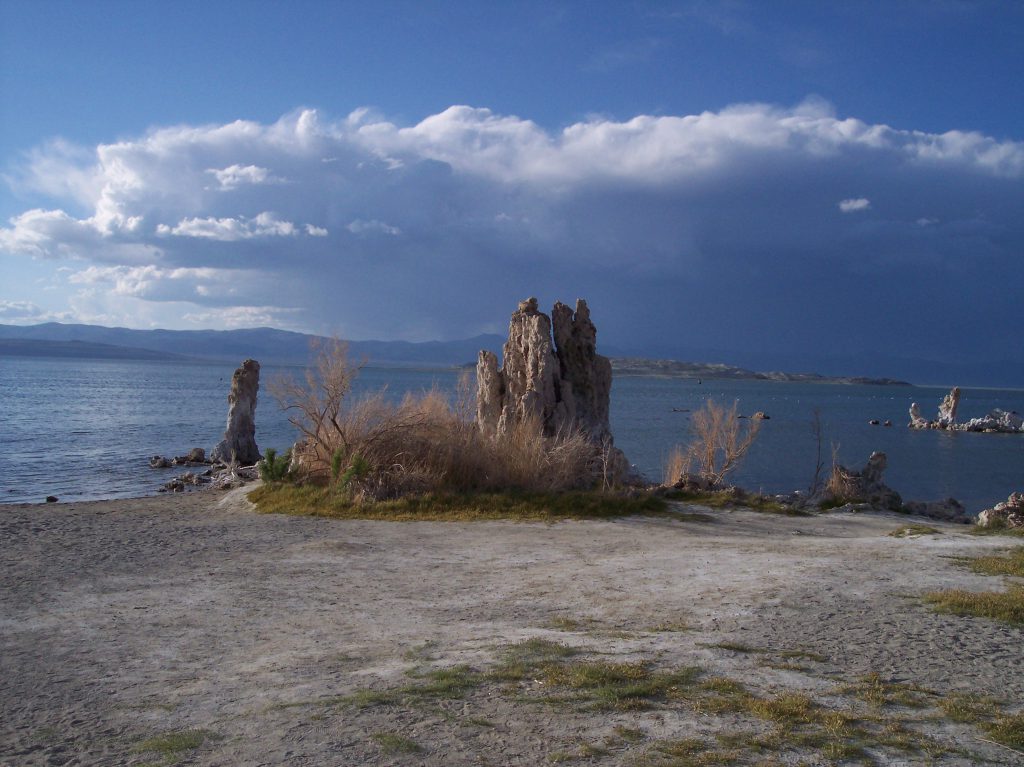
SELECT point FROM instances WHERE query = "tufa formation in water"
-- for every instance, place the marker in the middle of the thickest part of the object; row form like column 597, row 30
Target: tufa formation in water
column 239, row 443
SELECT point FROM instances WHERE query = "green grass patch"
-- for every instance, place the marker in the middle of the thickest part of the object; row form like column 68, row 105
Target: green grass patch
column 877, row 692
column 688, row 752
column 721, row 685
column 445, row 683
column 1008, row 730
column 565, row 623
column 393, row 743
column 727, row 499
column 995, row 564
column 525, row 659
column 969, row 708
column 788, row 708
column 1007, row 606
column 368, row 698
column 629, row 734
column 806, row 654
column 733, row 647
column 1012, row 532
column 623, row 686
column 912, row 531
column 312, row 500
column 421, row 652
column 173, row 744
column 669, row 627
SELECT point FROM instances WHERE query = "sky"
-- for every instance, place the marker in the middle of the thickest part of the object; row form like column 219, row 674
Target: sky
column 740, row 176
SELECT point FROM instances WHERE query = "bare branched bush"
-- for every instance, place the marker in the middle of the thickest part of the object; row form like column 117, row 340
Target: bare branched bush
column 719, row 442
column 817, row 429
column 376, row 448
column 840, row 485
column 677, row 465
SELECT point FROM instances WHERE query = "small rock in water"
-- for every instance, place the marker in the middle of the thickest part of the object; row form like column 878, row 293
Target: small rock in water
column 51, row 499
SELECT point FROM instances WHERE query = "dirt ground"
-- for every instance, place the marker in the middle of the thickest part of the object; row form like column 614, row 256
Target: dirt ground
column 255, row 639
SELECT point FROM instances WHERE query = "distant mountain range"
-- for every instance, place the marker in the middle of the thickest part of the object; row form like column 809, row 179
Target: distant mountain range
column 268, row 345
column 283, row 347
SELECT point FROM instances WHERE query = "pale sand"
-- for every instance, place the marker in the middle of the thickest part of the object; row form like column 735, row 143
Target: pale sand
column 122, row 620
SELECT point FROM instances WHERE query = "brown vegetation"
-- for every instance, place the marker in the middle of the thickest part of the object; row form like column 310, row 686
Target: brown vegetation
column 720, row 440
column 377, row 449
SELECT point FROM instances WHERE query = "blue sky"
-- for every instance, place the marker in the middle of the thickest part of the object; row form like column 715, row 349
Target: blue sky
column 716, row 175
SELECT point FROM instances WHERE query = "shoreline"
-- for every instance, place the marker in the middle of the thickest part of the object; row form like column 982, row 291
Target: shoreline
column 131, row 618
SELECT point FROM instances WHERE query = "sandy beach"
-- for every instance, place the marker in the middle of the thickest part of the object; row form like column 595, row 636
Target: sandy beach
column 124, row 621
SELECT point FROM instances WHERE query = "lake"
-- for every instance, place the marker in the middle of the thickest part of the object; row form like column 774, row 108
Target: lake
column 85, row 429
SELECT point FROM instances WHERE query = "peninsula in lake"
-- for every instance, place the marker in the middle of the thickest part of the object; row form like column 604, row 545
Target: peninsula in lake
column 633, row 366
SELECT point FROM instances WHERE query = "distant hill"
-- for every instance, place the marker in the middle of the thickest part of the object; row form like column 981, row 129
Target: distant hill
column 21, row 347
column 268, row 345
column 283, row 347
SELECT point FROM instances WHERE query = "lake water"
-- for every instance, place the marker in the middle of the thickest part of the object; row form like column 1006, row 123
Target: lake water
column 85, row 429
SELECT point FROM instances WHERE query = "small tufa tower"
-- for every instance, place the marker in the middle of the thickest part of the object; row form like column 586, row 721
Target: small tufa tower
column 239, row 443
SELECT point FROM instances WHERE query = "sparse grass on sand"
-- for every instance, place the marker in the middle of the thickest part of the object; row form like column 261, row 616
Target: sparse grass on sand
column 172, row 745
column 1007, row 606
column 1010, row 564
column 914, row 530
column 726, row 499
column 1011, row 532
column 861, row 721
column 333, row 502
column 392, row 743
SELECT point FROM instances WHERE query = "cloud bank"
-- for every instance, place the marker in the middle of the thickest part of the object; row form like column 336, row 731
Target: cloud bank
column 753, row 227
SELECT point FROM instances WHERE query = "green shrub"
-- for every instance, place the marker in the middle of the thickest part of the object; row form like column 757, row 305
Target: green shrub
column 274, row 468
column 337, row 458
column 357, row 469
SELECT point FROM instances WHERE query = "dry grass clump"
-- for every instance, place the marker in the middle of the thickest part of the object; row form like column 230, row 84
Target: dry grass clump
column 1005, row 606
column 719, row 442
column 841, row 486
column 378, row 449
column 914, row 530
column 994, row 564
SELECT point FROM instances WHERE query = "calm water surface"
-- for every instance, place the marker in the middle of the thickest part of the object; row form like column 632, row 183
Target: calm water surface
column 85, row 429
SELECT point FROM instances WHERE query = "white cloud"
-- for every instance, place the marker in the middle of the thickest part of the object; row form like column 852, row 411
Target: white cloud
column 236, row 175
column 359, row 226
column 241, row 317
column 854, row 204
column 153, row 282
column 230, row 229
column 468, row 210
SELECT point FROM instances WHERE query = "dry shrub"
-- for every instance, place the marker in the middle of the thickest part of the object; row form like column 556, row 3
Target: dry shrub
column 378, row 449
column 841, row 485
column 720, row 440
column 677, row 465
